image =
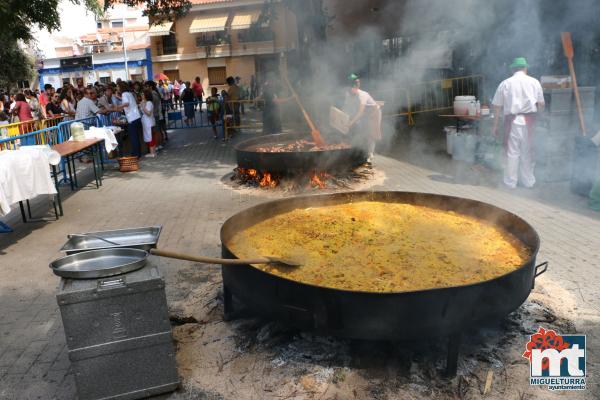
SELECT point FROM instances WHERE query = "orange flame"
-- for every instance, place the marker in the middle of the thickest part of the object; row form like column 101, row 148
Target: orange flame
column 268, row 181
column 317, row 179
column 264, row 180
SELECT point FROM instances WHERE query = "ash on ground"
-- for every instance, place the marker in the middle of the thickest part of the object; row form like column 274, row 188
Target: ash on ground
column 250, row 358
column 302, row 182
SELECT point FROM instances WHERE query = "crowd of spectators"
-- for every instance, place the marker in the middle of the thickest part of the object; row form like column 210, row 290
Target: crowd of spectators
column 143, row 105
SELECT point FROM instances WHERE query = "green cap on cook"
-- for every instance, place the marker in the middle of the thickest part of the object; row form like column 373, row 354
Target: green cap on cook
column 519, row 62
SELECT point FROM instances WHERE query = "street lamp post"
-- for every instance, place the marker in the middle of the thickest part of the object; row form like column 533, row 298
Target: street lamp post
column 125, row 50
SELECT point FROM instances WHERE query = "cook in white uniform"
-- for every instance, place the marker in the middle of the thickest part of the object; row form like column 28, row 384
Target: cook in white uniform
column 366, row 122
column 520, row 97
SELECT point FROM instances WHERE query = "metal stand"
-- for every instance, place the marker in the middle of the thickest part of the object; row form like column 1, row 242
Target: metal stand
column 227, row 304
column 56, row 184
column 55, row 200
column 453, row 351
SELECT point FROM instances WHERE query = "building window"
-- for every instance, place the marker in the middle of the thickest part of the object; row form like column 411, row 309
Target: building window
column 117, row 24
column 172, row 74
column 169, row 44
column 212, row 39
column 217, row 75
column 99, row 24
column 105, row 80
column 66, row 81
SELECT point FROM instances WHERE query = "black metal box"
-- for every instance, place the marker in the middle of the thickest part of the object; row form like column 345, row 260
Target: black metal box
column 118, row 334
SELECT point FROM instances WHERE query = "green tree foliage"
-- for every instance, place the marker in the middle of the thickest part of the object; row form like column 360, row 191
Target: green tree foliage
column 15, row 64
column 157, row 10
column 19, row 18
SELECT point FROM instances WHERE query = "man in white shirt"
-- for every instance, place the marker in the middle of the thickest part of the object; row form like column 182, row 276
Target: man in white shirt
column 134, row 117
column 520, row 97
column 367, row 118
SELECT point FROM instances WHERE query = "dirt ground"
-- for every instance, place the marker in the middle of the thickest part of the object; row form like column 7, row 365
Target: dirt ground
column 249, row 358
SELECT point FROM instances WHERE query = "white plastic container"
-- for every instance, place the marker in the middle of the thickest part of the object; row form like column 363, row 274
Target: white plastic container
column 461, row 104
column 450, row 132
column 77, row 132
column 464, row 146
column 472, row 109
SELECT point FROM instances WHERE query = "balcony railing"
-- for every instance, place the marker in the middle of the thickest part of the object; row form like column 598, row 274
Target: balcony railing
column 211, row 42
column 221, row 50
column 253, row 48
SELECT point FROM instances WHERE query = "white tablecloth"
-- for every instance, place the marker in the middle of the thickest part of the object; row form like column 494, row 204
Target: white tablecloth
column 25, row 174
column 110, row 141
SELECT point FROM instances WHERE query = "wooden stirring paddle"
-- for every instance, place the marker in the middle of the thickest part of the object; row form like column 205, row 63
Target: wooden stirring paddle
column 316, row 134
column 569, row 53
column 225, row 261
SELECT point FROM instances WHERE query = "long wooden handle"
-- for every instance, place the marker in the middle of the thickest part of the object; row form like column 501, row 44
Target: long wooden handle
column 207, row 260
column 567, row 43
column 577, row 97
column 314, row 131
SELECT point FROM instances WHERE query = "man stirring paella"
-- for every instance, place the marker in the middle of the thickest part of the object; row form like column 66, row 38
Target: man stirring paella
column 366, row 122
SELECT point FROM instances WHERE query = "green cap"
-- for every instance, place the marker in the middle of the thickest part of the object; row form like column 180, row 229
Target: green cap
column 352, row 78
column 519, row 62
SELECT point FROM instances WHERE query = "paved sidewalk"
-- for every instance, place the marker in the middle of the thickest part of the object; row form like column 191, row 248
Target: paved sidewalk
column 182, row 190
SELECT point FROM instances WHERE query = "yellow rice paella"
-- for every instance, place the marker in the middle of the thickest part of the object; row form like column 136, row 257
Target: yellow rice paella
column 382, row 247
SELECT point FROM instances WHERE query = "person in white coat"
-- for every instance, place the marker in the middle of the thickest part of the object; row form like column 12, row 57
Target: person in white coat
column 148, row 122
column 519, row 99
column 366, row 120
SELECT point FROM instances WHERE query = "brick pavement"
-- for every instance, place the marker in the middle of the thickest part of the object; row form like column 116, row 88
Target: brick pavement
column 181, row 190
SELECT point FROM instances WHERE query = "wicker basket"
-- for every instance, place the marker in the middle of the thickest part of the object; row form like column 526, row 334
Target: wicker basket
column 128, row 164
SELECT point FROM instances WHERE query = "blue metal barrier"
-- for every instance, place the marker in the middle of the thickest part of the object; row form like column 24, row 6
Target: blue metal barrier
column 107, row 119
column 5, row 228
column 47, row 136
column 65, row 127
column 199, row 118
column 65, row 133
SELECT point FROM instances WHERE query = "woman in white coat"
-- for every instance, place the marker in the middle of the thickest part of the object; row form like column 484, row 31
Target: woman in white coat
column 148, row 122
column 366, row 121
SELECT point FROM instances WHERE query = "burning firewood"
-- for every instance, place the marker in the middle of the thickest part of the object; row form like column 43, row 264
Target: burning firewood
column 316, row 180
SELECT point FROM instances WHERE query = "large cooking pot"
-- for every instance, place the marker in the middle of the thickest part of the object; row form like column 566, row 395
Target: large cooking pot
column 293, row 161
column 443, row 312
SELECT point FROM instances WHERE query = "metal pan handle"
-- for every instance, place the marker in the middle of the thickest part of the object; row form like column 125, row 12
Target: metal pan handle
column 539, row 269
column 109, row 284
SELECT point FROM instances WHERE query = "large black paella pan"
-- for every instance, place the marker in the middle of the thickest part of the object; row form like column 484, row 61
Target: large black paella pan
column 440, row 312
column 253, row 154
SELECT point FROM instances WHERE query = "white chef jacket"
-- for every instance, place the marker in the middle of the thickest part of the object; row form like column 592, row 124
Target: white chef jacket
column 519, row 94
column 365, row 98
column 132, row 111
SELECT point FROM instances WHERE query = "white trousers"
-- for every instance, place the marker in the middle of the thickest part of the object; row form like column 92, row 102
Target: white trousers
column 519, row 158
column 371, row 149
